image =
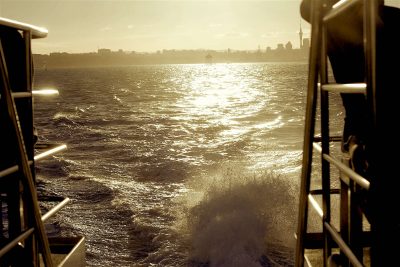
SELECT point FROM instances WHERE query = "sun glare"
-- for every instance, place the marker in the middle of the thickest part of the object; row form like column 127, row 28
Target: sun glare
column 48, row 91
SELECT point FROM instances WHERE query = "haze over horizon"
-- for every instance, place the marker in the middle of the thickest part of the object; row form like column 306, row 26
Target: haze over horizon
column 81, row 26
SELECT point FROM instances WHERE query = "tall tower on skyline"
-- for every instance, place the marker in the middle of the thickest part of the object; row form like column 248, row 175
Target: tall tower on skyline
column 301, row 36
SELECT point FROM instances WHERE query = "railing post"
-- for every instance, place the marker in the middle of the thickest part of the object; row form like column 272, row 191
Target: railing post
column 325, row 166
column 309, row 127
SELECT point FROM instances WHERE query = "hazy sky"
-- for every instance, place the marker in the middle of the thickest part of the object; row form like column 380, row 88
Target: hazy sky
column 86, row 25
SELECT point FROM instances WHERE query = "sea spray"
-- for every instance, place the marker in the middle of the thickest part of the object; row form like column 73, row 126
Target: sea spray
column 239, row 219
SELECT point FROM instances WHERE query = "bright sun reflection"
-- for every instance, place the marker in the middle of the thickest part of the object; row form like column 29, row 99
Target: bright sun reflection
column 45, row 92
column 223, row 96
column 227, row 102
column 218, row 87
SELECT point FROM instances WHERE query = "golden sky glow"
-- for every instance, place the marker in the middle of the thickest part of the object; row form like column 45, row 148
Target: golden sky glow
column 86, row 25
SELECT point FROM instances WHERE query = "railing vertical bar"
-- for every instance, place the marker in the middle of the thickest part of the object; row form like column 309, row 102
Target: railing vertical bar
column 325, row 166
column 308, row 131
column 26, row 124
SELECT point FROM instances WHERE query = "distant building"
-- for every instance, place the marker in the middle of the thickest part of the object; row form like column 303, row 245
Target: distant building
column 58, row 54
column 289, row 46
column 103, row 51
column 280, row 47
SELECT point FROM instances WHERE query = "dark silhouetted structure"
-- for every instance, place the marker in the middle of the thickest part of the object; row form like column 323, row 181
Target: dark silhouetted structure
column 361, row 40
column 23, row 237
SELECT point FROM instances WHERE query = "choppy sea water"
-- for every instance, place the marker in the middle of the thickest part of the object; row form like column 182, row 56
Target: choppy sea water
column 176, row 165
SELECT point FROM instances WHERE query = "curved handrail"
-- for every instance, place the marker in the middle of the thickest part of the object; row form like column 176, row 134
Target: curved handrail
column 37, row 32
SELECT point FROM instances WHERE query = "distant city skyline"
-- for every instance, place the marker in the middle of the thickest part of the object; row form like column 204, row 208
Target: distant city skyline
column 107, row 57
column 82, row 26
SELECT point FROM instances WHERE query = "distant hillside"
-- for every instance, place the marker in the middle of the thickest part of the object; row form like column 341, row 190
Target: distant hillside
column 106, row 57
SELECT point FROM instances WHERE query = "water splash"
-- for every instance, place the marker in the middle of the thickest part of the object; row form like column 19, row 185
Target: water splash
column 239, row 219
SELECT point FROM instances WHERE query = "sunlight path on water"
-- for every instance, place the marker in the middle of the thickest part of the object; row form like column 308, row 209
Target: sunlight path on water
column 178, row 165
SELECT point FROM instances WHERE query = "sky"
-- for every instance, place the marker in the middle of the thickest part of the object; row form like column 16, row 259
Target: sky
column 81, row 26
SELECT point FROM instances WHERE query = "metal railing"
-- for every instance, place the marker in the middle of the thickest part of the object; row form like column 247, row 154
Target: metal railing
column 318, row 84
column 25, row 224
column 37, row 158
column 35, row 31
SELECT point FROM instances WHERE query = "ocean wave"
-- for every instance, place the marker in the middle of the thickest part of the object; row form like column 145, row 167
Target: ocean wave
column 52, row 168
column 166, row 171
column 64, row 117
column 143, row 142
column 241, row 220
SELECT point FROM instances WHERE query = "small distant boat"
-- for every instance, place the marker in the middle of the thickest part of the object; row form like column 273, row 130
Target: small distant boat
column 209, row 58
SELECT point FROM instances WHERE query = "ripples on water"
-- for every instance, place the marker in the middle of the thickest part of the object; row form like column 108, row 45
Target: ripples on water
column 177, row 165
